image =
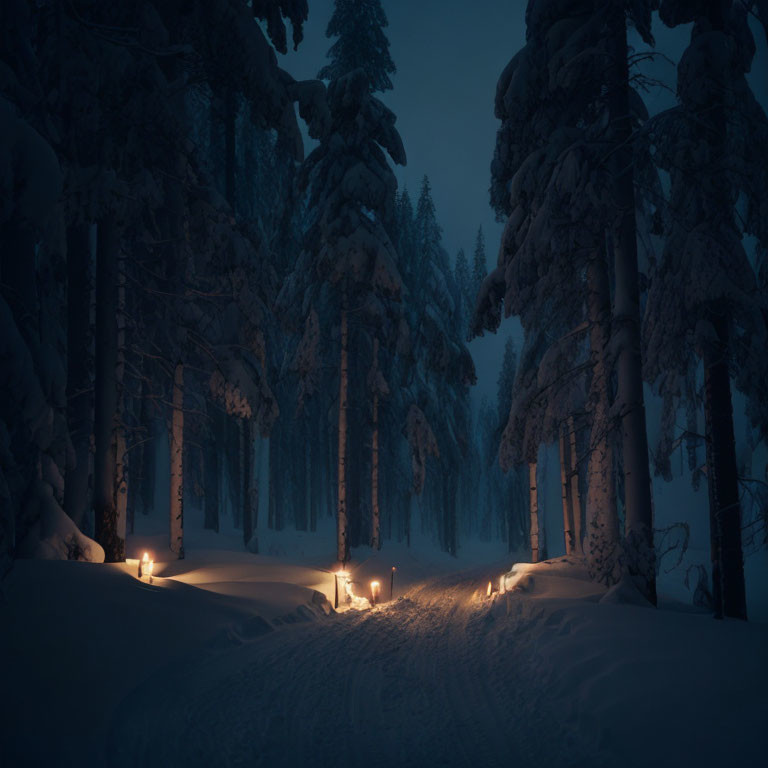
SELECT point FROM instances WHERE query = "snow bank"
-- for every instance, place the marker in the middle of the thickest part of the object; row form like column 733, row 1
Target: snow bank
column 54, row 536
column 565, row 577
column 612, row 667
column 85, row 636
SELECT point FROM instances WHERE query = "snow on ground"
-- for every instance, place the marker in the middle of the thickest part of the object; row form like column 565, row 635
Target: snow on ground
column 234, row 659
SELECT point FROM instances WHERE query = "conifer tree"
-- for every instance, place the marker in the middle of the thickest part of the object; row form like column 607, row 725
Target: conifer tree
column 562, row 99
column 358, row 26
column 704, row 302
column 479, row 262
column 351, row 198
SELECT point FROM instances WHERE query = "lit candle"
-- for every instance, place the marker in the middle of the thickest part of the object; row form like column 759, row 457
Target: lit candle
column 143, row 564
column 490, row 588
column 375, row 586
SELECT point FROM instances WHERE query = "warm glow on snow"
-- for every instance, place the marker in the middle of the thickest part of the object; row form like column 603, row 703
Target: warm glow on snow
column 490, row 588
column 350, row 598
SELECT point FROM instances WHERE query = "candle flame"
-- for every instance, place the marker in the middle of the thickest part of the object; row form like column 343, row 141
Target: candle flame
column 146, row 557
column 375, row 585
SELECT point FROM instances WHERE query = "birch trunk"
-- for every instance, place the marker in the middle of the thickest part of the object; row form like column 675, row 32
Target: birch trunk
column 722, row 475
column 104, row 496
column 602, row 538
column 177, row 464
column 640, row 560
column 534, row 504
column 566, row 493
column 79, row 385
column 342, row 549
column 575, row 495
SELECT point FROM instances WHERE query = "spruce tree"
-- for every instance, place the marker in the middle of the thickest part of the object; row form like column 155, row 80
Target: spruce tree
column 351, row 200
column 562, row 99
column 704, row 303
column 479, row 263
column 361, row 44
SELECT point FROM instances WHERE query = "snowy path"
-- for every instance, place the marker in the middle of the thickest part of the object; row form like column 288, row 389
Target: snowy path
column 196, row 674
column 425, row 681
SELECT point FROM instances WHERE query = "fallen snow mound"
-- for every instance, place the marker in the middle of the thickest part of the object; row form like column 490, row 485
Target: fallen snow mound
column 564, row 577
column 54, row 536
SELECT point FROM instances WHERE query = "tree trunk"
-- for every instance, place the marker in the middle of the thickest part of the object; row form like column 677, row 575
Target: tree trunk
column 121, row 453
column 575, row 496
column 235, row 460
column 314, row 485
column 79, row 384
column 104, row 495
column 566, row 493
column 299, row 440
column 449, row 505
column 256, row 479
column 512, row 508
column 177, row 464
column 148, row 451
column 640, row 559
column 230, row 148
column 247, row 442
column 534, row 508
column 375, row 514
column 602, row 518
column 342, row 548
column 725, row 508
column 211, row 471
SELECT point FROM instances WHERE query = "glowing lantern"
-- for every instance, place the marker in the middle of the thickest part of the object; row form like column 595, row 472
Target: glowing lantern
column 340, row 574
column 375, row 590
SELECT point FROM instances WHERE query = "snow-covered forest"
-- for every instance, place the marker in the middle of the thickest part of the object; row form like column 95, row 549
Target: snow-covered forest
column 232, row 338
